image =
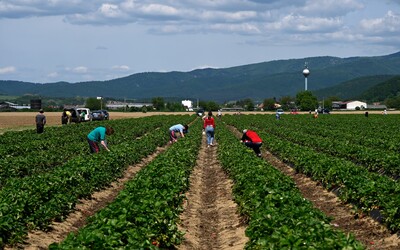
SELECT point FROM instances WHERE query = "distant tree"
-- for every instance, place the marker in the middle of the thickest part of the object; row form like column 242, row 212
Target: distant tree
column 306, row 100
column 202, row 104
column 287, row 102
column 269, row 104
column 158, row 103
column 247, row 104
column 174, row 106
column 328, row 101
column 94, row 103
column 211, row 106
column 393, row 102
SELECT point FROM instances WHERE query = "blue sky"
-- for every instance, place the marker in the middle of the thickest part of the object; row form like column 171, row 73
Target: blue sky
column 81, row 40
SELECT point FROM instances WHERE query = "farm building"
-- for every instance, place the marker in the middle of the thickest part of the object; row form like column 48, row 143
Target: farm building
column 9, row 106
column 353, row 105
column 350, row 105
column 118, row 105
column 188, row 104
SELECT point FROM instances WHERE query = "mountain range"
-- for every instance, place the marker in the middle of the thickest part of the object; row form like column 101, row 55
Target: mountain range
column 344, row 77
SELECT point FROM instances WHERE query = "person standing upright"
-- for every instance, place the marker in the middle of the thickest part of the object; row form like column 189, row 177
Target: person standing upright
column 40, row 121
column 209, row 128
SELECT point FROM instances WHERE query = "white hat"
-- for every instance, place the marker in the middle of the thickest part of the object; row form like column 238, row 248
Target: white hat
column 244, row 131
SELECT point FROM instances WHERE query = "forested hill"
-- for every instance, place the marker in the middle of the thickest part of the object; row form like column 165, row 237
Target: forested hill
column 380, row 92
column 257, row 81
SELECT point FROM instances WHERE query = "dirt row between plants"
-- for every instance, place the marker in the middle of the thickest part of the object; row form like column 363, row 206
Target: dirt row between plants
column 84, row 209
column 368, row 231
column 210, row 217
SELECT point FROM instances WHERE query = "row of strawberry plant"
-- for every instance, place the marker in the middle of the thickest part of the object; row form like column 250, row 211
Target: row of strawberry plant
column 375, row 160
column 376, row 132
column 145, row 214
column 34, row 201
column 279, row 217
column 370, row 193
column 59, row 145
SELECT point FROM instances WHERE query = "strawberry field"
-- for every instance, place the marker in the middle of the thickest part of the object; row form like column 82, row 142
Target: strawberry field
column 44, row 176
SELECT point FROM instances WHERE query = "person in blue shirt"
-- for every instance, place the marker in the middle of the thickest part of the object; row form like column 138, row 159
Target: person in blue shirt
column 178, row 128
column 98, row 135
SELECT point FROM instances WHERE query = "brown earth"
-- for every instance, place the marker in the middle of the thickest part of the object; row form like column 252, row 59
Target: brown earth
column 366, row 230
column 210, row 219
column 21, row 120
column 25, row 120
column 86, row 207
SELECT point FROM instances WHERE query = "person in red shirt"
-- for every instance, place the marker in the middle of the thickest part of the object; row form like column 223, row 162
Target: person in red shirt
column 252, row 140
column 209, row 127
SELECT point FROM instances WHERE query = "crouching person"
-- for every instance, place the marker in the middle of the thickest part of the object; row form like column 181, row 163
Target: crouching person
column 98, row 135
column 252, row 140
column 174, row 130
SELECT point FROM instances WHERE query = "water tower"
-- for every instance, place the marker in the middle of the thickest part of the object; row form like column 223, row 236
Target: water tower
column 306, row 72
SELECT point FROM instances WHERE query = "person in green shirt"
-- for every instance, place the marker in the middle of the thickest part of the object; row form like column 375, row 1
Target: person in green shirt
column 98, row 135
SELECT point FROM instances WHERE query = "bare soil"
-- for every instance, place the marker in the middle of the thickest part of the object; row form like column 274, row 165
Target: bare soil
column 84, row 209
column 210, row 218
column 368, row 231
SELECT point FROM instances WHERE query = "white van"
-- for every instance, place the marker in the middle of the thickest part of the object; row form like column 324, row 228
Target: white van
column 84, row 114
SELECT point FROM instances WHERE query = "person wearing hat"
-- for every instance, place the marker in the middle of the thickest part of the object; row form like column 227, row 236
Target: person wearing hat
column 178, row 128
column 40, row 121
column 252, row 140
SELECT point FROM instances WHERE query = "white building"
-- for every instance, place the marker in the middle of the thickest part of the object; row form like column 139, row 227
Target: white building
column 188, row 104
column 353, row 105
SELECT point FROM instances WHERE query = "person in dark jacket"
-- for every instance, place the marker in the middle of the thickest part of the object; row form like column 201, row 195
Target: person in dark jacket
column 40, row 121
column 252, row 140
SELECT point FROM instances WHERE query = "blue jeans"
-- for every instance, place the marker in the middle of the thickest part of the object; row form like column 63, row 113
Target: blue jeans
column 210, row 134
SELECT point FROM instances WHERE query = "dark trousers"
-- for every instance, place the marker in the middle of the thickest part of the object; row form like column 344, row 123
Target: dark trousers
column 255, row 146
column 39, row 128
column 94, row 146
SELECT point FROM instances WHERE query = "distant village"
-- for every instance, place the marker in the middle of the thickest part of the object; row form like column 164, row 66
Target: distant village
column 189, row 106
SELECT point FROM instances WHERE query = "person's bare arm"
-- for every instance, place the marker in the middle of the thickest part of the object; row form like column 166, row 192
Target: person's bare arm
column 103, row 143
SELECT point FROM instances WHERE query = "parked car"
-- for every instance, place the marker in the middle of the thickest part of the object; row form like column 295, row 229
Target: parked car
column 200, row 112
column 74, row 116
column 106, row 114
column 280, row 111
column 86, row 114
column 99, row 115
column 324, row 111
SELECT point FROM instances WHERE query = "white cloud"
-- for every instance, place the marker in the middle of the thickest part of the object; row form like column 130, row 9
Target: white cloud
column 80, row 70
column 110, row 10
column 331, row 8
column 299, row 24
column 389, row 24
column 121, row 67
column 52, row 75
column 8, row 70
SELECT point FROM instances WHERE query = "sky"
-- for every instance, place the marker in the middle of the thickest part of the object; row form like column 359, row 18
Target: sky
column 46, row 41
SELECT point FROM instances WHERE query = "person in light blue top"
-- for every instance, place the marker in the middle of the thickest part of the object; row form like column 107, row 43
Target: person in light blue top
column 98, row 135
column 178, row 128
